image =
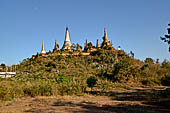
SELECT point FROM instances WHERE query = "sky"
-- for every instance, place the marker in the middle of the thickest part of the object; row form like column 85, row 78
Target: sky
column 135, row 25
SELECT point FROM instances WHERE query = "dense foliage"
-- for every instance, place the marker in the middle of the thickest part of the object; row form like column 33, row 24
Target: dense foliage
column 69, row 75
column 91, row 81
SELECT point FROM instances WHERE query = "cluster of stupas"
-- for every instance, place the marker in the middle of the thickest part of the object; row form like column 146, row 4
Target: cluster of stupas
column 88, row 47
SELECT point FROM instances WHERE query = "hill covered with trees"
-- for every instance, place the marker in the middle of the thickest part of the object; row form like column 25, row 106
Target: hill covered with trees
column 68, row 74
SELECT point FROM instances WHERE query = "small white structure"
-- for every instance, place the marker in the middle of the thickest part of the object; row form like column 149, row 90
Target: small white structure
column 7, row 74
column 119, row 48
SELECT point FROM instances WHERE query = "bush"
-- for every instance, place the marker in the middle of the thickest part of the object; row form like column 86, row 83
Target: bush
column 62, row 78
column 150, row 81
column 165, row 80
column 4, row 93
column 124, row 70
column 149, row 60
column 71, row 88
column 9, row 90
column 39, row 88
column 165, row 64
column 91, row 81
column 162, row 93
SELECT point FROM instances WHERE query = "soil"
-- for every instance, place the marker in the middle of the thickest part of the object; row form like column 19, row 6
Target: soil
column 134, row 100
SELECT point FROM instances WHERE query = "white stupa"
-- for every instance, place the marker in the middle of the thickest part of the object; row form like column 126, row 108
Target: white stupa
column 119, row 48
column 67, row 43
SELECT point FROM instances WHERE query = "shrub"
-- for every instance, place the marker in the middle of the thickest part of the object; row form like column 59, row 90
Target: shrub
column 162, row 93
column 71, row 88
column 165, row 93
column 64, row 89
column 165, row 64
column 38, row 76
column 104, row 86
column 150, row 81
column 62, row 78
column 9, row 90
column 91, row 81
column 49, row 69
column 144, row 67
column 51, row 64
column 4, row 93
column 124, row 70
column 165, row 80
column 149, row 60
column 39, row 88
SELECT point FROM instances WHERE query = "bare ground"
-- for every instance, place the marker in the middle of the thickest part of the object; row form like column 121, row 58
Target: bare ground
column 135, row 100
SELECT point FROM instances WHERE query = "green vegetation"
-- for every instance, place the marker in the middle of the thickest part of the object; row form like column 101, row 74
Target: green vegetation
column 91, row 82
column 54, row 75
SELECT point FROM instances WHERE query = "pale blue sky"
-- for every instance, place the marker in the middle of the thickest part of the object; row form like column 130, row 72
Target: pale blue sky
column 132, row 24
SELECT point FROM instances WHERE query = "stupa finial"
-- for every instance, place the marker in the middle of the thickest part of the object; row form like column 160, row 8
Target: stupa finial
column 43, row 48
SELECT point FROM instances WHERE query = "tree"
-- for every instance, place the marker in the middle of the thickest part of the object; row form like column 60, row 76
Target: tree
column 132, row 54
column 3, row 65
column 157, row 61
column 165, row 64
column 166, row 38
column 149, row 60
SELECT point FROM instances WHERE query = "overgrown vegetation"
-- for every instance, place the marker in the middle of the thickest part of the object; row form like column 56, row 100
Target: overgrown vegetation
column 71, row 75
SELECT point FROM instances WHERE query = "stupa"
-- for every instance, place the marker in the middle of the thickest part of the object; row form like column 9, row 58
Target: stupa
column 43, row 49
column 97, row 45
column 106, row 42
column 55, row 47
column 67, row 43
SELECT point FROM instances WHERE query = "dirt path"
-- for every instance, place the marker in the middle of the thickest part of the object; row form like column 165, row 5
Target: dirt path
column 136, row 100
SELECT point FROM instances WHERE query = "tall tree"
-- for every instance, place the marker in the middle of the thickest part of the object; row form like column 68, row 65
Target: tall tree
column 166, row 38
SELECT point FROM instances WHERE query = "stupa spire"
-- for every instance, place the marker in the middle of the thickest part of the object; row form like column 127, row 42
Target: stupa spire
column 43, row 49
column 67, row 42
column 86, row 43
column 105, row 35
column 85, row 46
column 55, row 47
column 67, row 38
column 97, row 45
column 106, row 43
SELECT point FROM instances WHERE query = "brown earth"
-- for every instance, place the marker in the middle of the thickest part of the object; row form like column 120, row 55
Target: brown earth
column 134, row 100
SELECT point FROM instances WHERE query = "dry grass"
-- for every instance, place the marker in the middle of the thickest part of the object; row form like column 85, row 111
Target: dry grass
column 136, row 100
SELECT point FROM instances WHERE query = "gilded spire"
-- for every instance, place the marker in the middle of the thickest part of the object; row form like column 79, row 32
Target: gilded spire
column 43, row 49
column 97, row 45
column 105, row 35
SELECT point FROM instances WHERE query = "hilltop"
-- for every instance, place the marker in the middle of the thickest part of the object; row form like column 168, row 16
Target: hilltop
column 113, row 65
